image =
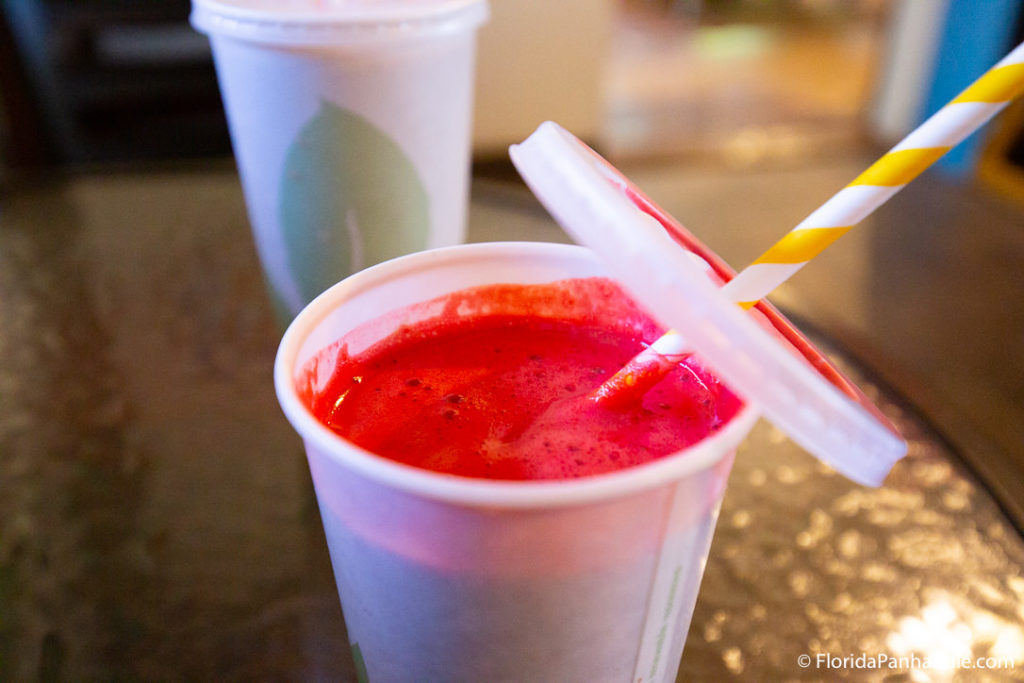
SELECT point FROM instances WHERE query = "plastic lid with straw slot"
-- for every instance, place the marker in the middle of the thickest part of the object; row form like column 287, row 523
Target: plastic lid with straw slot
column 758, row 354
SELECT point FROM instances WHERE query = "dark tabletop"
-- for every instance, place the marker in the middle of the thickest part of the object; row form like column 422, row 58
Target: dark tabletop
column 157, row 519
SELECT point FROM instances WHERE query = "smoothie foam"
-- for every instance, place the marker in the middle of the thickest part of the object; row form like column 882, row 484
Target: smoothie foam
column 495, row 386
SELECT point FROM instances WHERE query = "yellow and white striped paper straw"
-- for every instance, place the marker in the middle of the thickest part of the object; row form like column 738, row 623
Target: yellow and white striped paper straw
column 887, row 176
column 945, row 129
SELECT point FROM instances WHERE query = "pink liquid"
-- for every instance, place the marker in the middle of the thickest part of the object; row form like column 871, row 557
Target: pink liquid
column 503, row 396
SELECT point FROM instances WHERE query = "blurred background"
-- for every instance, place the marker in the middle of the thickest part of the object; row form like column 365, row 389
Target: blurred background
column 739, row 116
column 738, row 81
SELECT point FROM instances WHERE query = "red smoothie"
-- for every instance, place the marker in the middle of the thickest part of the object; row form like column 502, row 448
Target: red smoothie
column 500, row 392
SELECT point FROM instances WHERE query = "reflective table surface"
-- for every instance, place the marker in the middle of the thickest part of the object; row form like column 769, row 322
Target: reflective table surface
column 157, row 519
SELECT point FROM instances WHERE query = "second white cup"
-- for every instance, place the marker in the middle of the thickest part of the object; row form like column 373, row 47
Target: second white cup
column 350, row 122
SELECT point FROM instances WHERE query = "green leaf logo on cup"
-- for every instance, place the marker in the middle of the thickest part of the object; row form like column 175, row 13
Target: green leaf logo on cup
column 349, row 198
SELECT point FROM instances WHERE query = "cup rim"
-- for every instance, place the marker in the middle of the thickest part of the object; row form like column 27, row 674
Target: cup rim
column 310, row 24
column 465, row 490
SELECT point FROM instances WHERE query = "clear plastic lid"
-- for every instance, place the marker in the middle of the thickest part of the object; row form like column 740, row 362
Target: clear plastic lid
column 758, row 353
column 332, row 22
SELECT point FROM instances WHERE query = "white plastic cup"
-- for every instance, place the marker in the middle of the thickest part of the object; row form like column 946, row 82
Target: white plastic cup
column 446, row 578
column 350, row 122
